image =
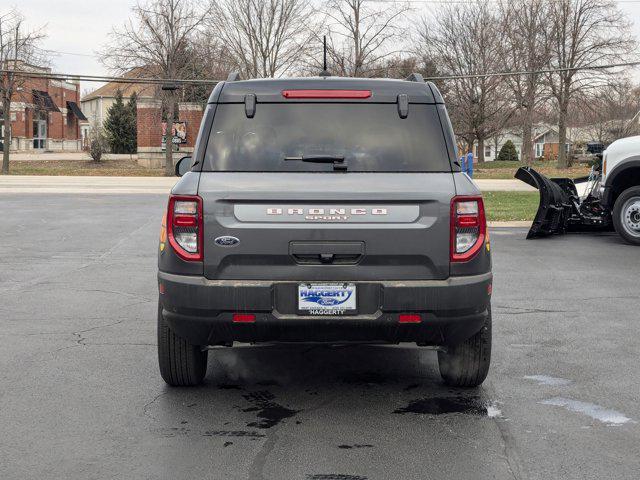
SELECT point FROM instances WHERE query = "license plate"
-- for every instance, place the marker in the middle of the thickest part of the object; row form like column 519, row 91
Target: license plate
column 326, row 298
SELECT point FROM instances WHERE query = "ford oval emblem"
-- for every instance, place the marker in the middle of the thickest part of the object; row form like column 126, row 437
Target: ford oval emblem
column 227, row 241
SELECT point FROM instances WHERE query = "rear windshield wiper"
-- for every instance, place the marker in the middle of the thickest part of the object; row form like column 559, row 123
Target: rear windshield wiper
column 317, row 158
column 336, row 160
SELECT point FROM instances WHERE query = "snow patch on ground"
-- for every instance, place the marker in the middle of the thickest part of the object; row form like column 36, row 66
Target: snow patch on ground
column 604, row 415
column 547, row 380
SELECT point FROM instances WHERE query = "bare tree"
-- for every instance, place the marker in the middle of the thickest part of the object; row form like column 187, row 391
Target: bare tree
column 583, row 33
column 18, row 51
column 156, row 40
column 607, row 114
column 525, row 47
column 463, row 42
column 362, row 35
column 209, row 59
column 267, row 38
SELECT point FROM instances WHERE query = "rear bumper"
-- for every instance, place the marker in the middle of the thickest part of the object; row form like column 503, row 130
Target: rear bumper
column 201, row 311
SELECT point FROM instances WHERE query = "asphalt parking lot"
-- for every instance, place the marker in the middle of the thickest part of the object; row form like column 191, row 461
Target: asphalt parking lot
column 81, row 396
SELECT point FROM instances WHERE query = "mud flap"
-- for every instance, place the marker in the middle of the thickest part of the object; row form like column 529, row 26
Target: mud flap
column 556, row 205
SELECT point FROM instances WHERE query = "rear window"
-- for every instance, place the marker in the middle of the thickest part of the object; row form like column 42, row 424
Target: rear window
column 369, row 137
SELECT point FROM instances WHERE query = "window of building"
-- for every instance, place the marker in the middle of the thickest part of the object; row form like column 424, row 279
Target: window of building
column 487, row 150
column 539, row 149
column 39, row 130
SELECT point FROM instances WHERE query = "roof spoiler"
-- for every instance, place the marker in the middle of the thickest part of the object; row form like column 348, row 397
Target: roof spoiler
column 233, row 77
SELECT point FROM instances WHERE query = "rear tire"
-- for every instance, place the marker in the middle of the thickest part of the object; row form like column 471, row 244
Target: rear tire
column 467, row 364
column 626, row 215
column 181, row 364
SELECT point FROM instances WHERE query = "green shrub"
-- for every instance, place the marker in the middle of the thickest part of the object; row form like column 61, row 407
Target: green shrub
column 508, row 152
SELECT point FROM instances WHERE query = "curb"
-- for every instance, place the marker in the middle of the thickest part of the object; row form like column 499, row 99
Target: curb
column 513, row 224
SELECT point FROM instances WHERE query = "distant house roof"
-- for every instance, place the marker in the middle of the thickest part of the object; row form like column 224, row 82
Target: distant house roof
column 553, row 133
column 542, row 133
column 128, row 89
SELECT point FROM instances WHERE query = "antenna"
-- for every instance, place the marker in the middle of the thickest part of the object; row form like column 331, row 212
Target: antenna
column 324, row 53
column 324, row 72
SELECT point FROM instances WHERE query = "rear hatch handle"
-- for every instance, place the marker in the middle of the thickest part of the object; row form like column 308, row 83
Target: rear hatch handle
column 327, row 253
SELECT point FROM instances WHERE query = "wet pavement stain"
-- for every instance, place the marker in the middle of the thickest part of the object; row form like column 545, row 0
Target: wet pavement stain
column 364, row 378
column 446, row 405
column 232, row 433
column 229, row 386
column 267, row 383
column 334, row 476
column 226, row 444
column 173, row 431
column 357, row 445
column 269, row 413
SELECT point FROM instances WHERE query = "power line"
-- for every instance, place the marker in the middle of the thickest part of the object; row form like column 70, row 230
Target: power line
column 106, row 78
column 184, row 81
column 58, row 52
column 426, row 2
column 534, row 72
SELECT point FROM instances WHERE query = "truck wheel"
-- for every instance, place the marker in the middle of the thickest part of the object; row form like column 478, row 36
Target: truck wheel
column 467, row 364
column 626, row 215
column 181, row 364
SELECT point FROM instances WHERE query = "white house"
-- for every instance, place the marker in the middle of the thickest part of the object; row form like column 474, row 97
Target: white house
column 541, row 133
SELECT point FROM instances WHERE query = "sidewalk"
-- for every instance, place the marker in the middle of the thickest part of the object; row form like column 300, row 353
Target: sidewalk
column 511, row 185
column 62, row 156
column 88, row 185
column 115, row 185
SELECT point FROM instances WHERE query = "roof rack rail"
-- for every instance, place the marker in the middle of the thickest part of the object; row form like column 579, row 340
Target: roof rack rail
column 415, row 77
column 233, row 77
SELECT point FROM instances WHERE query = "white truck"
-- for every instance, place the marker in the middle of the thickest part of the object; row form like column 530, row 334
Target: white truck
column 611, row 198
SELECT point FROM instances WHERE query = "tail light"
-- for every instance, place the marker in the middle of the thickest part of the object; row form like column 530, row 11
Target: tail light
column 184, row 226
column 468, row 227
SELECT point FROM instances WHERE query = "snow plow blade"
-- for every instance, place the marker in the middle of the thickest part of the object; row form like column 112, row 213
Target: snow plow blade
column 556, row 204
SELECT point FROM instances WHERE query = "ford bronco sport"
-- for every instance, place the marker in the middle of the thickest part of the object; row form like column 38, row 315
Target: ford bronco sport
column 324, row 210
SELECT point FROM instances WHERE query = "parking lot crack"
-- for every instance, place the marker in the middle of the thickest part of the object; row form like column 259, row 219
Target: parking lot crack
column 145, row 408
column 524, row 310
column 509, row 450
column 117, row 292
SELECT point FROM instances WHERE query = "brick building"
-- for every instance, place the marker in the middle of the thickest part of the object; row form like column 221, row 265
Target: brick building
column 45, row 115
column 150, row 131
column 149, row 122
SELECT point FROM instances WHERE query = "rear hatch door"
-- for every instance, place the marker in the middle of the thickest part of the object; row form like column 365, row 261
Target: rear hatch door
column 325, row 226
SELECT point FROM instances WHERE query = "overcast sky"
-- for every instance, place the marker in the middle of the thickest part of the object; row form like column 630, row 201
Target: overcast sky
column 78, row 29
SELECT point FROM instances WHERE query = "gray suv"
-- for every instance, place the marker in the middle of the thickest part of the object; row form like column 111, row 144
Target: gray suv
column 324, row 210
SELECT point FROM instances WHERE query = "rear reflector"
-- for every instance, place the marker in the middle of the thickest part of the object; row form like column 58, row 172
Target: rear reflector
column 409, row 318
column 326, row 93
column 184, row 221
column 244, row 318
